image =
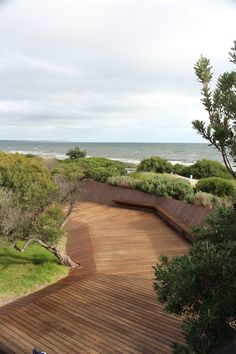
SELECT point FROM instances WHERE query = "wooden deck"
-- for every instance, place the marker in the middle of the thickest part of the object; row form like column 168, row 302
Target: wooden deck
column 107, row 306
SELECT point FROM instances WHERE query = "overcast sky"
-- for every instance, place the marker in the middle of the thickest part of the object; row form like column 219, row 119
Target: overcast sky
column 108, row 70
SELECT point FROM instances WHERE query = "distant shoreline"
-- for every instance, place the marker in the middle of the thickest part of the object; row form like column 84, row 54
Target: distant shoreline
column 183, row 153
column 63, row 157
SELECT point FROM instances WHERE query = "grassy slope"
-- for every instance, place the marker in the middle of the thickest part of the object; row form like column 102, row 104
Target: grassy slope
column 22, row 273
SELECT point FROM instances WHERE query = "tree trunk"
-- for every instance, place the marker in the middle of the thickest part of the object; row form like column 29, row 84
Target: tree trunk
column 68, row 213
column 62, row 258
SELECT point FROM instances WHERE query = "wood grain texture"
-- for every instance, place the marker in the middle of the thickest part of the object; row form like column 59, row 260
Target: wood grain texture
column 108, row 305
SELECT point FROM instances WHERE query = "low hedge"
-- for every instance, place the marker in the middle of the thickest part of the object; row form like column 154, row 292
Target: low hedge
column 160, row 185
column 217, row 186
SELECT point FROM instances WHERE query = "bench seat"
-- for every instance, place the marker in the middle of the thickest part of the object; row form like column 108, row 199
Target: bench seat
column 182, row 228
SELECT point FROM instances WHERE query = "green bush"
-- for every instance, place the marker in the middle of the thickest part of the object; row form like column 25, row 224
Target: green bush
column 217, row 186
column 76, row 153
column 121, row 181
column 204, row 169
column 28, row 179
column 160, row 185
column 200, row 286
column 98, row 168
column 171, row 186
column 155, row 164
column 179, row 169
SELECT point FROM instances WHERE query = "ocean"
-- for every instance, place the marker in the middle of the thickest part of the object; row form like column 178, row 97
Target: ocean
column 185, row 153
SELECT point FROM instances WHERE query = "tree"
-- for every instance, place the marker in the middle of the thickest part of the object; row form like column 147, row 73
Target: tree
column 11, row 217
column 220, row 105
column 68, row 178
column 76, row 153
column 201, row 286
column 28, row 205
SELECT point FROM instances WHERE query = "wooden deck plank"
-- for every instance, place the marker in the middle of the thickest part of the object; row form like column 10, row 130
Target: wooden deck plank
column 111, row 329
column 106, row 330
column 108, row 305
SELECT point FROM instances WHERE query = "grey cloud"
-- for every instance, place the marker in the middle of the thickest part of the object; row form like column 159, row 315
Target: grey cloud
column 92, row 68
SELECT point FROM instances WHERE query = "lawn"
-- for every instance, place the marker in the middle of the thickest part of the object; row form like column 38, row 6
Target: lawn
column 23, row 273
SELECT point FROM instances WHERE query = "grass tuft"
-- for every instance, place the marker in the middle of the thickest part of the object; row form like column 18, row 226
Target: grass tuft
column 23, row 273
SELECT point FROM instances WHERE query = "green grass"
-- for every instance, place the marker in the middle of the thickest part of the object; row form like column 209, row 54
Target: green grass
column 22, row 273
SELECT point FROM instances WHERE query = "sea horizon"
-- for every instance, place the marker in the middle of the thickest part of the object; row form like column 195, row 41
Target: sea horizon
column 133, row 152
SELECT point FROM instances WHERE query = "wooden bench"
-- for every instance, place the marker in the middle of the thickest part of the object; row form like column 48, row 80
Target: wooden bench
column 182, row 228
column 134, row 204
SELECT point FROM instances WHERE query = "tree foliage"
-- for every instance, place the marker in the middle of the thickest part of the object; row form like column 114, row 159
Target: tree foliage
column 76, row 153
column 155, row 164
column 29, row 181
column 29, row 209
column 201, row 285
column 220, row 105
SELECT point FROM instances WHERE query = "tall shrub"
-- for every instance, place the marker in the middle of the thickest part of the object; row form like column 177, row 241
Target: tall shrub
column 201, row 286
column 155, row 164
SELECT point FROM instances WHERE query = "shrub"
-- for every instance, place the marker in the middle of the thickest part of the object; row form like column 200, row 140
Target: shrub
column 179, row 169
column 211, row 201
column 98, row 168
column 160, row 185
column 122, row 181
column 145, row 185
column 172, row 186
column 217, row 186
column 155, row 164
column 28, row 179
column 200, row 286
column 76, row 153
column 204, row 169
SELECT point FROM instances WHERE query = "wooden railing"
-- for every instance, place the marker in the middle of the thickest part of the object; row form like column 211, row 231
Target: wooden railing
column 177, row 213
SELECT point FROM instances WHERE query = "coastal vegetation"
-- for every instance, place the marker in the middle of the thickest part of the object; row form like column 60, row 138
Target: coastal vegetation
column 217, row 186
column 209, row 192
column 36, row 198
column 200, row 169
column 157, row 184
column 30, row 209
column 76, row 153
column 155, row 164
column 204, row 169
column 200, row 285
column 97, row 168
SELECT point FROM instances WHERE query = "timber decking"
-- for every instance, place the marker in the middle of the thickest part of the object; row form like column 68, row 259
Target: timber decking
column 185, row 213
column 182, row 228
column 108, row 305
